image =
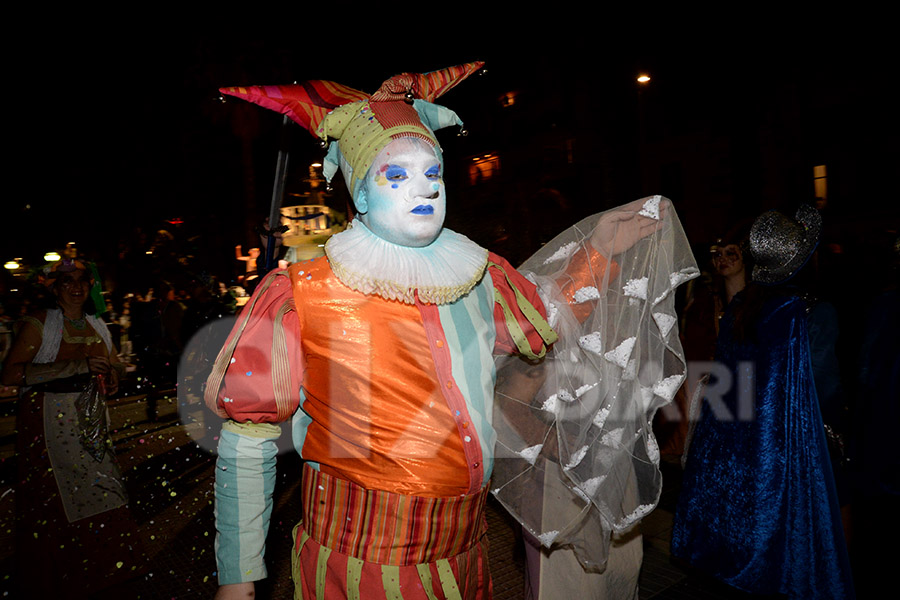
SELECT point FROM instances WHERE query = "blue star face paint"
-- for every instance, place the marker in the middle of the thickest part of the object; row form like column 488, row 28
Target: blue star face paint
column 405, row 195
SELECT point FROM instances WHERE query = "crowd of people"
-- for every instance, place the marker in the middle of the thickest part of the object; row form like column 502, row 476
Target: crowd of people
column 68, row 349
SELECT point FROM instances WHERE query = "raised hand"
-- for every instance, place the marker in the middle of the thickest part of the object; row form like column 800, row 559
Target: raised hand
column 620, row 229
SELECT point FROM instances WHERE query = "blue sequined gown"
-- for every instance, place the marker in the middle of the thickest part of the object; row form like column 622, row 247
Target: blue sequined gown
column 758, row 508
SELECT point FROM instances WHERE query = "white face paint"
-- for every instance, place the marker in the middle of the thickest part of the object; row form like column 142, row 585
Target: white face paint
column 402, row 199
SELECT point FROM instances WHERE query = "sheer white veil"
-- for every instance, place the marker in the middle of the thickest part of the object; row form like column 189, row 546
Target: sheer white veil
column 576, row 458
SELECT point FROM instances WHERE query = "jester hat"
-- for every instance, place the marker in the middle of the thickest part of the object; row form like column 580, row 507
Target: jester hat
column 363, row 124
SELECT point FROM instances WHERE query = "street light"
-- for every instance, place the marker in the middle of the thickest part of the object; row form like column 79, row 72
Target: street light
column 643, row 79
column 52, row 256
column 11, row 265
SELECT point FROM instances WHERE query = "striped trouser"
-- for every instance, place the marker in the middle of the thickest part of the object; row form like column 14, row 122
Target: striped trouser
column 359, row 543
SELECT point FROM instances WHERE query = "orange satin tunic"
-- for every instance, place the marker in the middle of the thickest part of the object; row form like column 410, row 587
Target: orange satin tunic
column 370, row 382
column 379, row 417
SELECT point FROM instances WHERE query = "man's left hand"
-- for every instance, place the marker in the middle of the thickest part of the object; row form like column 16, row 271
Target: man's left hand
column 620, row 229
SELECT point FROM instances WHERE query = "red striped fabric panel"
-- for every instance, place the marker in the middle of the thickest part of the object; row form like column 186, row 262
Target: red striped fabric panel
column 305, row 103
column 399, row 114
column 386, row 528
column 469, row 569
column 427, row 86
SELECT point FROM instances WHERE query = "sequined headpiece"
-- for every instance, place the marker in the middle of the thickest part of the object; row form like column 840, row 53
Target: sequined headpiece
column 781, row 245
column 66, row 265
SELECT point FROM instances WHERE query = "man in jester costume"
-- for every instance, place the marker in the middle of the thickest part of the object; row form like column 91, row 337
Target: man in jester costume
column 421, row 372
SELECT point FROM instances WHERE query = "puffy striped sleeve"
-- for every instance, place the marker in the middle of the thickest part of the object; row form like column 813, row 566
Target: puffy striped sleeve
column 519, row 314
column 255, row 384
column 258, row 373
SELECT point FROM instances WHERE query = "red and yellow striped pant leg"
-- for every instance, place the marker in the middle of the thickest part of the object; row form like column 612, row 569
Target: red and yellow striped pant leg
column 369, row 544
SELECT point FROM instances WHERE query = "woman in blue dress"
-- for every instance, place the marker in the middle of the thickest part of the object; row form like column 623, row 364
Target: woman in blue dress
column 758, row 508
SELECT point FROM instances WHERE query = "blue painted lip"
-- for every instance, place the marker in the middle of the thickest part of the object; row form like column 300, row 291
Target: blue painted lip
column 423, row 209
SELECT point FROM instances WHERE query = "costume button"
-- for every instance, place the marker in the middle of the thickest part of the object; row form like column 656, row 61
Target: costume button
column 475, row 466
column 439, row 343
column 465, row 425
column 449, row 384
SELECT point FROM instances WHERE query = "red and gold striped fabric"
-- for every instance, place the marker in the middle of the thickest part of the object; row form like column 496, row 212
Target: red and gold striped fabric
column 306, row 103
column 427, row 86
column 401, row 115
column 390, row 529
column 320, row 573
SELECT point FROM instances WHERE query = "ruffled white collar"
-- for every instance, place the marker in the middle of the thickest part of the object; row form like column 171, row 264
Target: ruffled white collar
column 440, row 273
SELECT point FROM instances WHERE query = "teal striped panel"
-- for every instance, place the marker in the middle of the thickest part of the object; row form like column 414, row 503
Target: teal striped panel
column 468, row 326
column 299, row 425
column 245, row 480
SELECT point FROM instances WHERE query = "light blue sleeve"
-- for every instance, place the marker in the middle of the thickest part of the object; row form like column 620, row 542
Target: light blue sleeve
column 245, row 480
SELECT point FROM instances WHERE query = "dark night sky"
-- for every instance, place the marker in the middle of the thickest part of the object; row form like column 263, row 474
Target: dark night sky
column 121, row 129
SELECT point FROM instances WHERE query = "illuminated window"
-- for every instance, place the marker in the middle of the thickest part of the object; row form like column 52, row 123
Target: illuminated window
column 508, row 99
column 483, row 168
column 820, row 183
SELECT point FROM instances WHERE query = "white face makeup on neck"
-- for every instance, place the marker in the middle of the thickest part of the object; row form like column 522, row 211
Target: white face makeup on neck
column 402, row 199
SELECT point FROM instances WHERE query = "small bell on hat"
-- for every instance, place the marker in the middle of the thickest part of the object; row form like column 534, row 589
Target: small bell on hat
column 781, row 245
